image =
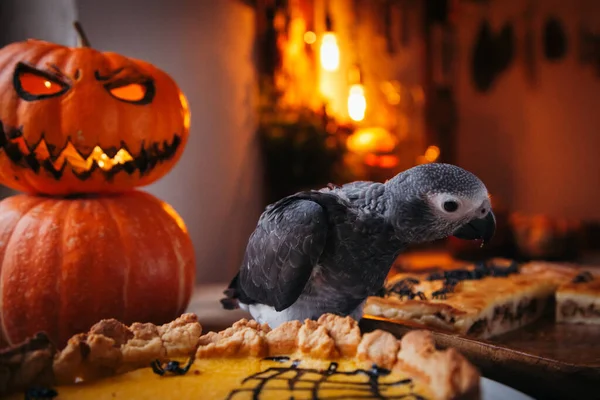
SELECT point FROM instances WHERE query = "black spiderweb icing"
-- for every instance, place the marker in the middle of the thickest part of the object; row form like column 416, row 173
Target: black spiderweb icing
column 294, row 382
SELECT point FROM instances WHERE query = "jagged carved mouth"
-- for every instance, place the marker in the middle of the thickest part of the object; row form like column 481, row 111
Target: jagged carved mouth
column 109, row 161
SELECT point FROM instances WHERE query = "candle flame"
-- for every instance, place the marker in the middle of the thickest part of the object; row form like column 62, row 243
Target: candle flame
column 330, row 52
column 357, row 104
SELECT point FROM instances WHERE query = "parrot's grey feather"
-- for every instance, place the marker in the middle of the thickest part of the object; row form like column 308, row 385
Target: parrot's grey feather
column 327, row 250
column 306, row 283
column 360, row 193
column 283, row 250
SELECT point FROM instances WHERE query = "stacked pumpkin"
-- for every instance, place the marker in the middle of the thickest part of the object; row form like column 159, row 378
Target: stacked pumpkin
column 80, row 130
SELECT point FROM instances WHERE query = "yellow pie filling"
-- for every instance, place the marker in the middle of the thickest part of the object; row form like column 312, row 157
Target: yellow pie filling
column 253, row 378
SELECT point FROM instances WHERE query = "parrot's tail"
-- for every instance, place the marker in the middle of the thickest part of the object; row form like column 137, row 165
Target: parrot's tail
column 230, row 302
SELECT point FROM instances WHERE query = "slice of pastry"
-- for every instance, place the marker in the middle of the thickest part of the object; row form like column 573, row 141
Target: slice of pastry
column 557, row 273
column 578, row 289
column 481, row 300
column 30, row 361
column 578, row 301
column 324, row 359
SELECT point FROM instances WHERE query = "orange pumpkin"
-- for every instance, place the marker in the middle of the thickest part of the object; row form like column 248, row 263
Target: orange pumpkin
column 76, row 120
column 67, row 263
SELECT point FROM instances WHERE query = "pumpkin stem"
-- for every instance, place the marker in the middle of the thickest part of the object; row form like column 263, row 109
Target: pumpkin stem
column 83, row 40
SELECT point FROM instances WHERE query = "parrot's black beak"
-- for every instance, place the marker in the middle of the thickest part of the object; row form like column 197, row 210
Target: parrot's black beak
column 478, row 228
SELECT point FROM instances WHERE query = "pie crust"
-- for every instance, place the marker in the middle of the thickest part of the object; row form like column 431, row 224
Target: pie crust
column 577, row 293
column 578, row 300
column 112, row 348
column 113, row 351
column 27, row 363
column 448, row 374
column 482, row 307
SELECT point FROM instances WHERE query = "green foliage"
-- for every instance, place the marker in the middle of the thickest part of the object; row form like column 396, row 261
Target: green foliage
column 301, row 148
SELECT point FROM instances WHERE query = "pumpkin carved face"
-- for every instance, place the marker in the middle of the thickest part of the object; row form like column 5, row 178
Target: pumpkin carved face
column 76, row 120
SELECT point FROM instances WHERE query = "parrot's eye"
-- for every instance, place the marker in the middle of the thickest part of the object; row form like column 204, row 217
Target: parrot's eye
column 450, row 206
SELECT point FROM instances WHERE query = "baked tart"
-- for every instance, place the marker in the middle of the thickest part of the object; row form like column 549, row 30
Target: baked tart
column 328, row 358
column 481, row 300
column 577, row 293
column 578, row 301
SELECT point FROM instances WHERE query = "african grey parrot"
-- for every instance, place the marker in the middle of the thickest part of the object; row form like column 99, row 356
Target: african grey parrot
column 327, row 250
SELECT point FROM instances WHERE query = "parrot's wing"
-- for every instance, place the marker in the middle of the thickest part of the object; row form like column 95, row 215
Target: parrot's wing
column 282, row 252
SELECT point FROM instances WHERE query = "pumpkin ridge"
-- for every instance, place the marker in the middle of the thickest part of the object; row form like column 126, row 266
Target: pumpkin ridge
column 39, row 55
column 108, row 207
column 22, row 217
column 4, row 70
column 116, row 259
column 4, row 333
column 168, row 219
column 159, row 245
column 59, row 282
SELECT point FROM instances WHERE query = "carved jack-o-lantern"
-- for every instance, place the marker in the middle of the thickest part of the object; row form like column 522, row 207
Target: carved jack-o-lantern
column 76, row 120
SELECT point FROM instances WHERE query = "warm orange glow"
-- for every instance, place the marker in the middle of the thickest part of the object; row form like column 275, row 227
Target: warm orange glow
column 20, row 142
column 131, row 92
column 310, row 37
column 354, row 75
column 38, row 85
column 383, row 161
column 72, row 156
column 394, row 98
column 418, row 95
column 296, row 78
column 185, row 110
column 392, row 91
column 357, row 103
column 330, row 52
column 371, row 140
column 98, row 156
column 432, row 153
column 178, row 220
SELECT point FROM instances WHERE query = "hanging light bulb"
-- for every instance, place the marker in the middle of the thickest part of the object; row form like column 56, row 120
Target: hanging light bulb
column 357, row 103
column 330, row 51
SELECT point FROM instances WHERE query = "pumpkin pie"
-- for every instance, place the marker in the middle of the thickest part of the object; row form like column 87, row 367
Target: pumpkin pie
column 328, row 358
column 480, row 300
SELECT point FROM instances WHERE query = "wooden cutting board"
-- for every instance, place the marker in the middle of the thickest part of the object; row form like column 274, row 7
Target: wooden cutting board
column 544, row 360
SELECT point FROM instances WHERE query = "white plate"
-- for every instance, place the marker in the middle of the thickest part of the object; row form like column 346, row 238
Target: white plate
column 492, row 390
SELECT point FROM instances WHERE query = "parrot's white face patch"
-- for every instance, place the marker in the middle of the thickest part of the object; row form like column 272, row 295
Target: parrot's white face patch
column 458, row 208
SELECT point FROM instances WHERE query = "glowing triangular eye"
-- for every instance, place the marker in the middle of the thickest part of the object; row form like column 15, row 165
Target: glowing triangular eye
column 130, row 92
column 38, row 85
